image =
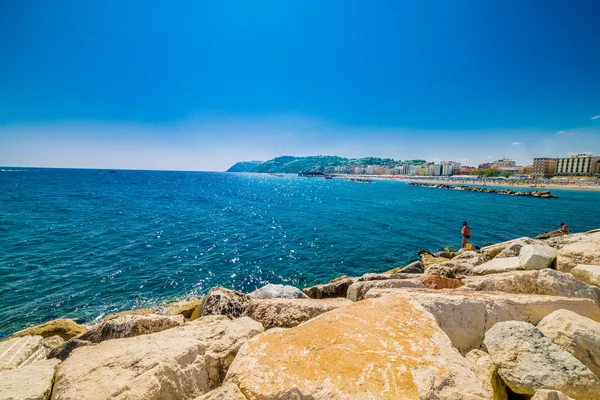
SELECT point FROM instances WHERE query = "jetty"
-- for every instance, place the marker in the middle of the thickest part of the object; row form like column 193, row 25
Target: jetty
column 537, row 193
column 517, row 317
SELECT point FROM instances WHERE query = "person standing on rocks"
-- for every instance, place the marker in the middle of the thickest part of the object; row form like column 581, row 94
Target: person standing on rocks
column 466, row 234
column 564, row 228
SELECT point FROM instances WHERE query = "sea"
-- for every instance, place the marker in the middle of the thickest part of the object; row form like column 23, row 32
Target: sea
column 86, row 243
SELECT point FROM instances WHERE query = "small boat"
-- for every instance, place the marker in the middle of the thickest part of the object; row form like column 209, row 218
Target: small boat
column 112, row 171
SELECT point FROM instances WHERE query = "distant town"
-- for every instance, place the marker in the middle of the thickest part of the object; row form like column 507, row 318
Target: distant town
column 584, row 166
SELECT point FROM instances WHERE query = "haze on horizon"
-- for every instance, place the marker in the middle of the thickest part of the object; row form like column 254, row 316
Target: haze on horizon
column 199, row 85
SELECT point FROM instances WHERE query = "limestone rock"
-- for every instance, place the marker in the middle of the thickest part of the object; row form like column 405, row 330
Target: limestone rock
column 221, row 301
column 585, row 251
column 551, row 234
column 339, row 288
column 386, row 348
column 429, row 259
column 534, row 256
column 488, row 374
column 374, row 277
column 137, row 311
column 63, row 351
column 32, row 382
column 287, row 313
column 587, row 273
column 550, row 395
column 183, row 307
column 17, row 352
column 466, row 316
column 64, row 327
column 439, row 282
column 560, row 241
column 179, row 363
column 528, row 361
column 578, row 335
column 52, row 342
column 494, row 250
column 497, row 265
column 445, row 254
column 358, row 290
column 272, row 291
column 459, row 267
column 544, row 282
column 416, row 267
column 130, row 325
column 226, row 392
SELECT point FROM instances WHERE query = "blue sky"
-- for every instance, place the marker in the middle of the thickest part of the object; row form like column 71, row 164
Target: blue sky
column 198, row 85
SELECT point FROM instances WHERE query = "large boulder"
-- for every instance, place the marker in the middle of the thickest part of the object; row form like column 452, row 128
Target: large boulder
column 130, row 325
column 287, row 313
column 63, row 351
column 429, row 259
column 182, row 362
column 64, row 327
column 466, row 316
column 544, row 282
column 439, row 282
column 528, row 361
column 19, row 351
column 534, row 256
column 272, row 291
column 221, row 301
column 183, row 307
column 388, row 348
column 578, row 335
column 515, row 245
column 487, row 373
column 459, row 267
column 497, row 265
column 31, row 382
column 226, row 392
column 560, row 241
column 587, row 273
column 358, row 290
column 584, row 251
column 416, row 267
column 335, row 288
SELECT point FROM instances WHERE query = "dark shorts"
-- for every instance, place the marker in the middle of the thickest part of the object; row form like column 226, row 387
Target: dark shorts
column 465, row 236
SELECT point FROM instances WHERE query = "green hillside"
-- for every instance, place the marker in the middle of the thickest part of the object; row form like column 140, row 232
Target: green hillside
column 291, row 164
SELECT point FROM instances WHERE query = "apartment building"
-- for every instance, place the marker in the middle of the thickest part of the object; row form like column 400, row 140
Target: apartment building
column 446, row 168
column 544, row 167
column 577, row 165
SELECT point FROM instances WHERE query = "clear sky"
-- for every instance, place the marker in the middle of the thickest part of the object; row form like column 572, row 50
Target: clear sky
column 199, row 85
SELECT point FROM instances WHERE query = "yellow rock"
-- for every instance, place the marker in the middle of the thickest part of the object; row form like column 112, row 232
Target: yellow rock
column 185, row 307
column 65, row 328
column 384, row 348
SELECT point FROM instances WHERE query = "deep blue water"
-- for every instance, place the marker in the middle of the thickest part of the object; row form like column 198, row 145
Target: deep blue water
column 84, row 243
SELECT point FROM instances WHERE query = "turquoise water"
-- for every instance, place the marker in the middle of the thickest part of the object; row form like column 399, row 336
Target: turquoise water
column 84, row 243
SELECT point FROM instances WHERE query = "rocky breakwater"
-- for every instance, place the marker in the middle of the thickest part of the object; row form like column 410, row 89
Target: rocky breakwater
column 543, row 194
column 519, row 319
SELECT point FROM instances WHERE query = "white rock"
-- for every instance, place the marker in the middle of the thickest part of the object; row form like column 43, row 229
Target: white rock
column 528, row 361
column 466, row 316
column 587, row 273
column 494, row 250
column 578, row 335
column 497, row 265
column 534, row 256
column 386, row 348
column 20, row 351
column 31, row 382
column 272, row 291
column 358, row 290
column 180, row 363
column 544, row 282
column 584, row 251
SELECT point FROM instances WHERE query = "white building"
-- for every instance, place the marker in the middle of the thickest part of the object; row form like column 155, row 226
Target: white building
column 446, row 168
